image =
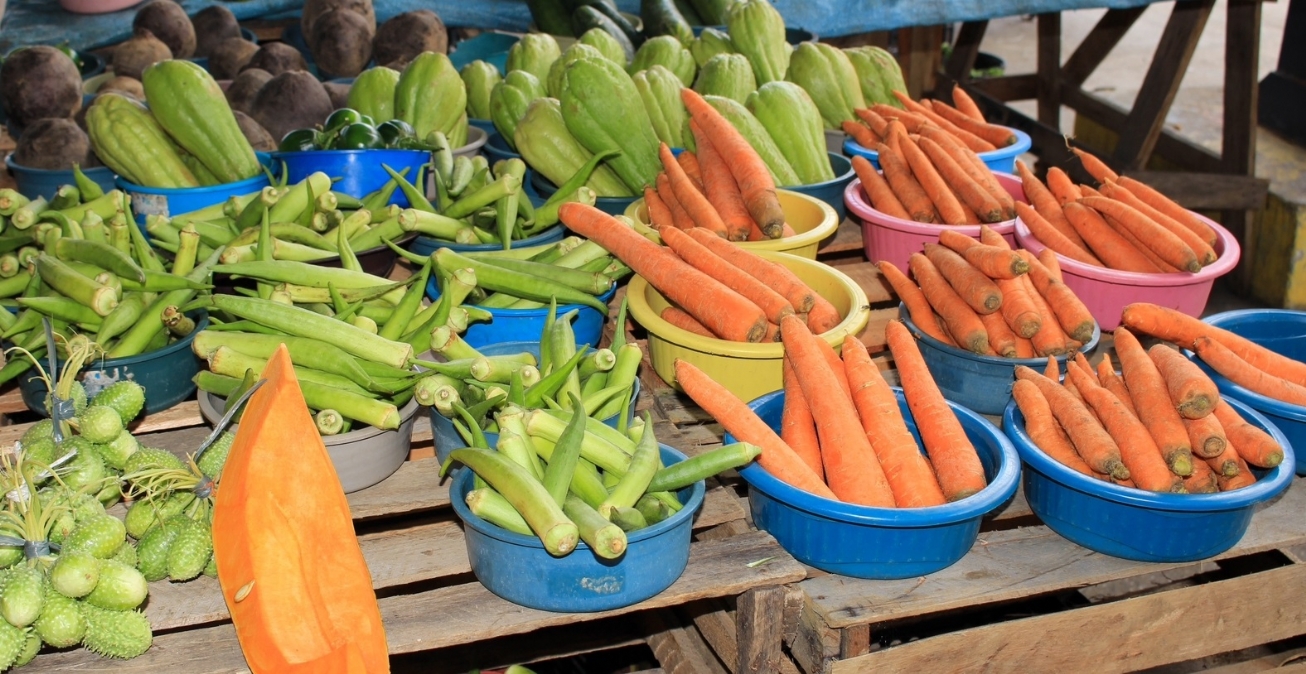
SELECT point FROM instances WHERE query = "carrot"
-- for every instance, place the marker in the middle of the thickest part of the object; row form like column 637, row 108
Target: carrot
column 690, row 197
column 955, row 461
column 1049, row 339
column 720, row 309
column 962, row 322
column 1206, row 436
column 970, row 140
column 966, row 104
column 751, row 174
column 1106, row 375
column 1228, row 463
column 910, row 193
column 1052, row 370
column 1193, row 393
column 994, row 262
column 1165, row 243
column 851, row 467
column 769, row 301
column 689, row 164
column 797, row 428
column 1047, row 206
column 910, row 475
column 1162, row 265
column 894, row 132
column 1138, row 450
column 1164, row 204
column 978, row 290
column 945, row 204
column 1182, row 329
column 1095, row 166
column 1053, row 238
column 910, row 120
column 1112, row 249
column 1024, row 347
column 1246, row 375
column 1049, row 259
column 823, row 317
column 677, row 317
column 1018, row 309
column 1090, row 439
column 999, row 136
column 918, row 308
column 1244, row 478
column 775, row 276
column 679, row 216
column 1070, row 388
column 968, row 191
column 974, row 167
column 1061, row 186
column 1205, row 253
column 658, row 213
column 836, row 365
column 878, row 124
column 1152, row 399
column 1069, row 310
column 1001, row 339
column 777, row 457
column 1202, row 481
column 861, row 133
column 990, row 237
column 877, row 189
column 1043, row 428
column 720, row 188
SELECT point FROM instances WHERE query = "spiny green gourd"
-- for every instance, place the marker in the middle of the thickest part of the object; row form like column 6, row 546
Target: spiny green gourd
column 86, row 467
column 121, row 587
column 110, row 494
column 152, row 550
column 126, row 554
column 23, row 596
column 151, row 458
column 41, row 429
column 145, row 514
column 115, row 452
column 116, row 634
column 126, row 397
column 61, row 623
column 211, row 461
column 10, row 555
column 98, row 536
column 75, row 574
column 211, row 569
column 13, row 641
column 190, row 551
column 99, row 423
column 30, row 648
column 78, row 396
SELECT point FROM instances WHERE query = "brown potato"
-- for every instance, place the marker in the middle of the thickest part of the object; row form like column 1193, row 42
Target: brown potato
column 52, row 144
column 213, row 24
column 230, row 56
column 315, row 8
column 258, row 137
column 39, row 82
column 405, row 36
column 243, row 89
column 168, row 22
column 290, row 101
column 343, row 40
column 124, row 85
column 277, row 58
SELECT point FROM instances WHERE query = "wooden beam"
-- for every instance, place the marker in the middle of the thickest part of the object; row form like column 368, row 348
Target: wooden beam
column 1174, row 52
column 1008, row 88
column 679, row 649
column 759, row 624
column 1174, row 148
column 1049, row 69
column 1208, row 191
column 965, row 48
column 1099, row 42
column 920, row 54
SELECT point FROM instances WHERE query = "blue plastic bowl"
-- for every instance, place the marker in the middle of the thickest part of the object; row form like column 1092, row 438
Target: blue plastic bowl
column 831, row 191
column 170, row 201
column 1282, row 331
column 1001, row 160
column 518, row 569
column 879, row 543
column 446, row 437
column 609, row 205
column 496, row 148
column 524, row 325
column 167, row 374
column 359, row 171
column 489, row 47
column 486, row 125
column 33, row 182
column 977, row 382
column 1142, row 525
column 425, row 245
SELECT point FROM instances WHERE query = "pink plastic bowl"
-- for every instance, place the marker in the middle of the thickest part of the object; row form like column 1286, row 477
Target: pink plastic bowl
column 1107, row 291
column 885, row 237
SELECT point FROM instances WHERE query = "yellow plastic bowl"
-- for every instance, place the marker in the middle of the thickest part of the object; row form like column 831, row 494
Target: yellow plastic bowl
column 748, row 370
column 812, row 219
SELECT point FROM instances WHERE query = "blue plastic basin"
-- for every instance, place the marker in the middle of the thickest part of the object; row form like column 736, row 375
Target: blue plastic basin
column 1142, row 525
column 1001, row 160
column 446, row 437
column 518, row 569
column 880, row 543
column 425, row 245
column 978, row 382
column 525, row 325
column 170, row 201
column 33, row 182
column 1284, row 332
column 831, row 191
column 359, row 171
column 609, row 205
column 165, row 373
column 496, row 148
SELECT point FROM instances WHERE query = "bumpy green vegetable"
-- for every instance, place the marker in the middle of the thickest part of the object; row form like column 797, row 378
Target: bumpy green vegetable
column 534, row 53
column 791, row 119
column 190, row 106
column 659, row 88
column 121, row 587
column 545, row 143
column 879, row 74
column 828, row 76
column 130, row 141
column 728, row 75
column 757, row 136
column 373, row 93
column 758, row 32
column 616, row 49
column 116, row 634
column 603, row 110
column 509, row 100
column 665, row 50
column 126, row 397
column 709, row 43
column 430, row 96
column 556, row 71
column 480, row 78
column 61, row 623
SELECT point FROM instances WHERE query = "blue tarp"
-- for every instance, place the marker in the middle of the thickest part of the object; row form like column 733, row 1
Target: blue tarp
column 28, row 22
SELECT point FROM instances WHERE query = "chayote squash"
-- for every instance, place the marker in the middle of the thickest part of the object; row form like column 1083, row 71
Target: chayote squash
column 828, row 76
column 479, row 78
column 534, row 53
column 666, row 51
column 604, row 111
column 878, row 73
column 188, row 103
column 757, row 136
column 792, row 120
column 509, row 99
column 660, row 90
column 545, row 143
column 758, row 32
column 431, row 97
column 373, row 93
column 728, row 75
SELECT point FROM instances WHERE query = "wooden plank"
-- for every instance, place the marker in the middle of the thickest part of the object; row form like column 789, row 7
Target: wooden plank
column 1018, row 563
column 11, row 401
column 759, row 617
column 846, row 239
column 463, row 614
column 1049, row 69
column 1208, row 191
column 679, row 649
column 1242, row 45
column 867, row 276
column 1006, row 88
column 965, row 48
column 1171, row 146
column 1099, row 42
column 1126, row 636
column 873, row 335
column 814, row 644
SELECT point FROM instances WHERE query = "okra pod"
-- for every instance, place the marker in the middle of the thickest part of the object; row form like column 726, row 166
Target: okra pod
column 680, row 475
column 122, row 318
column 416, row 199
column 606, row 539
column 66, row 196
column 379, row 199
column 562, row 344
column 10, row 201
column 562, row 464
column 301, row 273
column 652, row 509
column 527, row 496
column 629, row 519
column 547, row 214
column 295, row 199
column 622, row 374
column 492, row 507
column 407, row 308
column 591, row 283
column 26, row 215
column 101, row 255
column 366, row 240
column 594, row 449
column 89, row 188
column 484, row 196
column 100, row 298
column 304, row 352
column 448, row 343
column 62, row 308
column 517, row 283
column 431, row 224
column 305, row 323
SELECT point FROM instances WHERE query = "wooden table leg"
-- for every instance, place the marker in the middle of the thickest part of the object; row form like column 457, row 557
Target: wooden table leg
column 759, row 624
column 1049, row 69
column 1238, row 153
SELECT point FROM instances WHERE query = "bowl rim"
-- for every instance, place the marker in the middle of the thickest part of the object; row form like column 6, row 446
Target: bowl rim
column 1274, row 481
column 531, row 313
column 208, row 405
column 905, row 316
column 643, row 313
column 11, row 164
column 476, row 137
column 994, row 494
column 201, row 318
column 277, row 154
column 857, row 203
column 1022, row 144
column 251, row 183
column 1229, row 253
column 1258, row 401
column 828, row 225
column 462, row 477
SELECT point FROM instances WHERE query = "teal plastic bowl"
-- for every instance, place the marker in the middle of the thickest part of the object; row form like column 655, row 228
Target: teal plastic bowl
column 33, row 182
column 831, row 191
column 518, row 569
column 496, row 148
column 489, row 47
column 165, row 373
column 609, row 205
column 525, row 325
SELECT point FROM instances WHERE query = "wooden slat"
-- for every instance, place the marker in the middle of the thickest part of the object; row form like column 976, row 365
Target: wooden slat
column 1208, row 191
column 1006, row 88
column 679, row 648
column 867, row 276
column 760, row 617
column 1181, row 151
column 11, row 401
column 1099, row 42
column 1049, row 69
column 965, row 48
column 846, row 239
column 1123, row 636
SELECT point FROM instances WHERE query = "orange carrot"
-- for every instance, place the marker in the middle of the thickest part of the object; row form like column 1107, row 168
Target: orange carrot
column 677, row 317
column 769, row 301
column 1024, row 347
column 1049, row 259
column 1202, row 481
column 751, row 174
column 720, row 188
column 1052, row 237
column 1095, row 166
column 836, row 365
column 1043, row 428
column 1244, row 478
column 1164, row 204
column 1227, row 463
column 955, row 460
column 878, row 124
column 1165, row 243
column 797, row 428
column 1112, row 249
column 1062, row 187
column 851, row 467
column 720, row 309
column 962, row 322
column 1206, row 436
column 918, row 308
column 910, row 193
column 658, row 213
column 974, row 167
column 777, row 457
column 772, row 333
column 966, row 104
column 1152, row 400
column 1246, row 375
column 999, row 136
column 1106, row 375
column 1047, row 206
column 1090, row 439
column 1137, row 448
column 990, row 237
column 1050, row 339
column 1070, row 311
column 862, row 134
column 690, row 197
column 894, row 132
column 945, row 204
column 689, row 164
column 775, row 276
column 994, row 262
column 823, row 317
column 1018, row 308
column 1052, row 370
column 1162, row 265
column 978, row 290
column 910, row 475
column 877, row 189
column 1205, row 253
column 1001, row 339
column 1193, row 393
column 968, row 191
column 679, row 216
column 910, row 120
column 926, row 110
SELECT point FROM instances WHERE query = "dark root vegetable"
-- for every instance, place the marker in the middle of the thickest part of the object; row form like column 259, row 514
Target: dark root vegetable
column 124, row 85
column 243, row 89
column 316, row 8
column 39, row 82
column 213, row 24
column 230, row 56
column 168, row 21
column 277, row 58
column 342, row 40
column 339, row 93
column 143, row 50
column 258, row 137
column 291, row 101
column 53, row 144
column 405, row 36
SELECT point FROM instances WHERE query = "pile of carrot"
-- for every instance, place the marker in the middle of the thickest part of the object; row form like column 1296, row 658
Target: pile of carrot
column 965, row 122
column 843, row 435
column 724, row 188
column 1236, row 358
column 1122, row 224
column 1160, row 425
column 986, row 298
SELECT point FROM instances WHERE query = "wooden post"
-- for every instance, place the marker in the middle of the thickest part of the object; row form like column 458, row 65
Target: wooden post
column 759, row 619
column 1238, row 153
column 1049, row 69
